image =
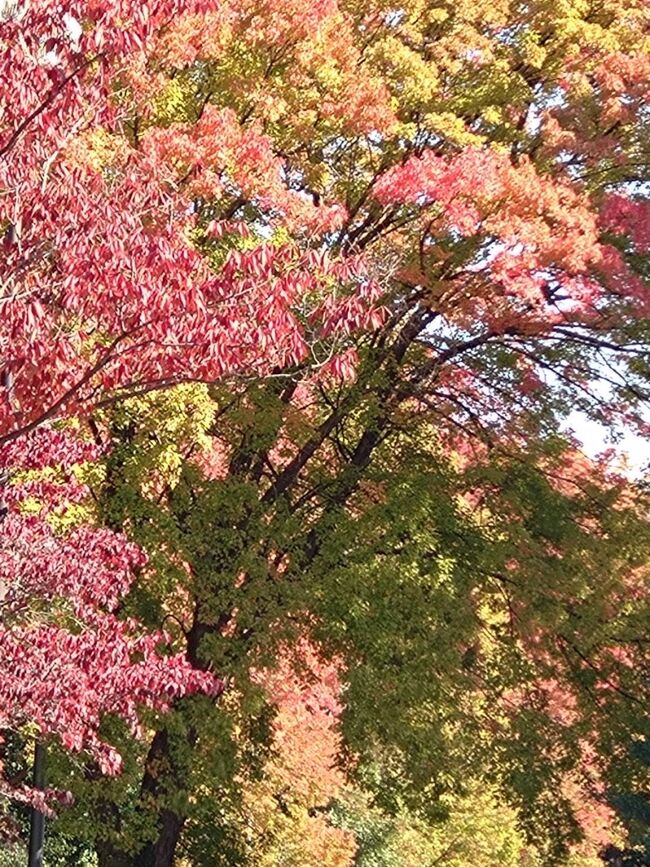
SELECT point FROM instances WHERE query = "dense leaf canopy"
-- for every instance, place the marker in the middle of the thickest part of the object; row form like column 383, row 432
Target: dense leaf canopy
column 299, row 303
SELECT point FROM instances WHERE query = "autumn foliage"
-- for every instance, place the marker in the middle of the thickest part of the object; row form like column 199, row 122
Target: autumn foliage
column 300, row 304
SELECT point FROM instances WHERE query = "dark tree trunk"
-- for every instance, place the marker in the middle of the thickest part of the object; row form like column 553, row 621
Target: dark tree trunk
column 162, row 774
column 161, row 768
column 161, row 853
column 109, row 856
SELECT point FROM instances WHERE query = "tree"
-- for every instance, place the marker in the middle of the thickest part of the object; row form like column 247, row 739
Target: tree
column 381, row 255
column 285, row 813
column 67, row 658
column 106, row 294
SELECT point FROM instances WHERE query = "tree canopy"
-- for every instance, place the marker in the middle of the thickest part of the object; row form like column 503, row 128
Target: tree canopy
column 301, row 561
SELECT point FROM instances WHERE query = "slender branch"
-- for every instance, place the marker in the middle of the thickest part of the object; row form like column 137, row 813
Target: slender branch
column 49, row 99
column 61, row 401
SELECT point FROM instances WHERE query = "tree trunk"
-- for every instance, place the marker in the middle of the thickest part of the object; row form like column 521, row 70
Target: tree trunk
column 161, row 853
column 162, row 774
column 109, row 856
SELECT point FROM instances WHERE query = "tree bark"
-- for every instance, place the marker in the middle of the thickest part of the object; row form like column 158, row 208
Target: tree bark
column 162, row 773
column 109, row 856
column 161, row 853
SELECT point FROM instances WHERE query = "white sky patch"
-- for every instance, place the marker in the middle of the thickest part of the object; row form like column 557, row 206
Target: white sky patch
column 596, row 438
column 73, row 28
